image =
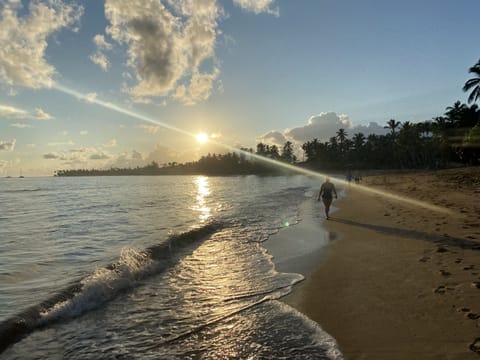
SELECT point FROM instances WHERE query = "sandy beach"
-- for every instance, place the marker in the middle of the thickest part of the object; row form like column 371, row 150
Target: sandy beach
column 397, row 281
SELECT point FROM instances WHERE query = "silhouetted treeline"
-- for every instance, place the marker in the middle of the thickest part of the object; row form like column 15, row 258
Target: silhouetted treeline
column 443, row 141
column 232, row 163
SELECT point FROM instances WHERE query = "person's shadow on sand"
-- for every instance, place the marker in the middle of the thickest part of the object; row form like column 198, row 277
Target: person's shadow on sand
column 414, row 234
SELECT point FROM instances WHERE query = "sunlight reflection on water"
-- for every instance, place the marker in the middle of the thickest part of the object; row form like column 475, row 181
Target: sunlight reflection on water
column 203, row 190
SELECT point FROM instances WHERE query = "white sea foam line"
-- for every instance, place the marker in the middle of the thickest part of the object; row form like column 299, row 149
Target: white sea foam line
column 145, row 118
column 322, row 338
column 102, row 285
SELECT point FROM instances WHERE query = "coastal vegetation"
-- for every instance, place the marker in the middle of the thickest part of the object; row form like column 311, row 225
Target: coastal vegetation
column 444, row 141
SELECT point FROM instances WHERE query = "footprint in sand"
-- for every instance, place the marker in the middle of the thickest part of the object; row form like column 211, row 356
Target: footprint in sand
column 473, row 316
column 475, row 345
column 476, row 284
column 469, row 267
column 441, row 249
column 444, row 273
column 442, row 289
column 458, row 261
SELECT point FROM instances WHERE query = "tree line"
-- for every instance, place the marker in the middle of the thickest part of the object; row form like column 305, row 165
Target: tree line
column 453, row 138
column 232, row 163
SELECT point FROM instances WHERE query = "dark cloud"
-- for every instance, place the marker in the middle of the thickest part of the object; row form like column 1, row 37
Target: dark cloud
column 51, row 156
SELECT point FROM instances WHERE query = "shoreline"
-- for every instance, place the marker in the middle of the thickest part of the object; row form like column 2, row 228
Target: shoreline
column 399, row 281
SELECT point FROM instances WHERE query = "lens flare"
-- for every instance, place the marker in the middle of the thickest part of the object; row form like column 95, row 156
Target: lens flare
column 286, row 166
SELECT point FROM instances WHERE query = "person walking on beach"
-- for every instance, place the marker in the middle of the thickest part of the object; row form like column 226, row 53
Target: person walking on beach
column 326, row 193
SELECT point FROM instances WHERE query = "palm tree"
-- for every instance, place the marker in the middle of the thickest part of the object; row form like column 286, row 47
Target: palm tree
column 287, row 153
column 473, row 84
column 455, row 112
column 341, row 136
column 392, row 124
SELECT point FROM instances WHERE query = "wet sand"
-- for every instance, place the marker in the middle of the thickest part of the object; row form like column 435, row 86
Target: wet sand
column 399, row 281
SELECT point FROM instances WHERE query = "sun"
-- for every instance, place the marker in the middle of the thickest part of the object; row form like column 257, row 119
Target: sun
column 202, row 138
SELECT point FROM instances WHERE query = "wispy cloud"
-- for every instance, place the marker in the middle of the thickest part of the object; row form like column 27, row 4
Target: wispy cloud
column 99, row 156
column 84, row 132
column 7, row 145
column 23, row 40
column 91, row 97
column 20, row 125
column 111, row 143
column 42, row 115
column 11, row 112
column 52, row 156
column 151, row 129
column 78, row 156
column 258, row 6
column 99, row 56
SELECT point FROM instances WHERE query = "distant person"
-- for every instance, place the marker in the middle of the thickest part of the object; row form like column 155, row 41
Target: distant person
column 358, row 178
column 349, row 176
column 326, row 193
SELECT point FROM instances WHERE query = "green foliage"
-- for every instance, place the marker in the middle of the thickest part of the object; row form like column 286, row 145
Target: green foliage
column 453, row 138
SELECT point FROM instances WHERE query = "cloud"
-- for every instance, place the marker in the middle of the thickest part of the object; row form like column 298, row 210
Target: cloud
column 110, row 143
column 99, row 56
column 322, row 127
column 99, row 156
column 84, row 132
column 51, row 156
column 42, row 115
column 90, row 97
column 78, row 156
column 7, row 145
column 101, row 43
column 151, row 129
column 20, row 125
column 125, row 160
column 258, row 6
column 12, row 112
column 23, row 40
column 371, row 128
column 163, row 155
column 273, row 137
column 101, row 60
column 170, row 51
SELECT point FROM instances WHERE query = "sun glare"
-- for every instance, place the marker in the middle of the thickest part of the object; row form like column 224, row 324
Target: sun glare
column 202, row 138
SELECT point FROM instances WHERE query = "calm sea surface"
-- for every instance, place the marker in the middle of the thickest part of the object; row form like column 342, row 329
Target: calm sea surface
column 150, row 268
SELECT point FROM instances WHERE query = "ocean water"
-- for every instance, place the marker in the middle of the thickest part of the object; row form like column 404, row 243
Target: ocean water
column 153, row 267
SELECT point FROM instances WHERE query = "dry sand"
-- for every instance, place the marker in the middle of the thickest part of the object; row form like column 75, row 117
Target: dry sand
column 400, row 281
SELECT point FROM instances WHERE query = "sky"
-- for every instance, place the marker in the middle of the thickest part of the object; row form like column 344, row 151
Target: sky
column 119, row 83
